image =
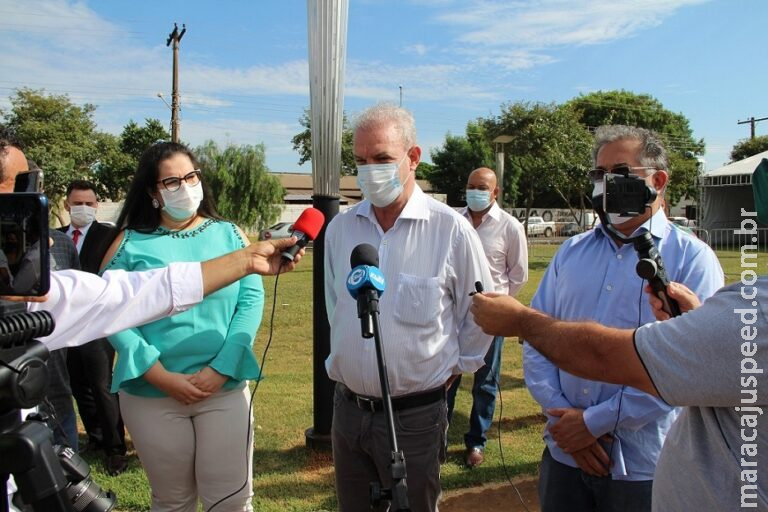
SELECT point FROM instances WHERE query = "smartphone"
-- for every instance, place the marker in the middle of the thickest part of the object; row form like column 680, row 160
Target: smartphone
column 30, row 181
column 24, row 254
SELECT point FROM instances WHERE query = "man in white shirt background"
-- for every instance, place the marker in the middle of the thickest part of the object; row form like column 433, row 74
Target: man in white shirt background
column 506, row 249
column 431, row 258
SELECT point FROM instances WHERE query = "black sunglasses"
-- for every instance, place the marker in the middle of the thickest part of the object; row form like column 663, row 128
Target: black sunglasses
column 625, row 170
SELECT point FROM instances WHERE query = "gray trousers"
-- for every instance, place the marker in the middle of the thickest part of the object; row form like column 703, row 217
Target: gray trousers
column 188, row 451
column 361, row 452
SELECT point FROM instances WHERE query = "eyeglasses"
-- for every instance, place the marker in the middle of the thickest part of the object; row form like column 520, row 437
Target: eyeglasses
column 173, row 184
column 625, row 170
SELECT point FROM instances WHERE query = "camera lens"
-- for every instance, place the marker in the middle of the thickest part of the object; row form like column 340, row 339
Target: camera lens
column 87, row 496
column 84, row 494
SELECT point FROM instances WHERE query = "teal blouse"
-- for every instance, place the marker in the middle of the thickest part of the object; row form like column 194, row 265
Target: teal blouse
column 218, row 332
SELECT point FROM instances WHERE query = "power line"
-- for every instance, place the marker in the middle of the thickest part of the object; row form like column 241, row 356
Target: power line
column 752, row 121
column 55, row 16
column 21, row 27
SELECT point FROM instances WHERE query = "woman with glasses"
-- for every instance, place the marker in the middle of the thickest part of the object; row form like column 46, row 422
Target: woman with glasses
column 182, row 379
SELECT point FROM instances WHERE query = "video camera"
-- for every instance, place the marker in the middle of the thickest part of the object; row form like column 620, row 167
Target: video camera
column 626, row 195
column 629, row 195
column 49, row 477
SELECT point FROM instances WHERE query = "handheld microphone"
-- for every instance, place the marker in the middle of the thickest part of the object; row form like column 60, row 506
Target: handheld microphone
column 366, row 284
column 651, row 268
column 306, row 228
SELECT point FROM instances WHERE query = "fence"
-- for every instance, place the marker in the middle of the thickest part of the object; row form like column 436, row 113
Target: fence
column 717, row 239
column 728, row 240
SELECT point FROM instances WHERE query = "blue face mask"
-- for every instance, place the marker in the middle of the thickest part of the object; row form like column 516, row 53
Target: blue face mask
column 380, row 183
column 478, row 200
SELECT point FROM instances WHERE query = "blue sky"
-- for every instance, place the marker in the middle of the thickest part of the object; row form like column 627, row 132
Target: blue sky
column 244, row 68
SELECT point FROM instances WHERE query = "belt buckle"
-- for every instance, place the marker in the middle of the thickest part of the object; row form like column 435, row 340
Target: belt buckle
column 365, row 403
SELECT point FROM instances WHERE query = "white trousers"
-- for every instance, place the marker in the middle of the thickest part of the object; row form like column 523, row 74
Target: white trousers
column 200, row 450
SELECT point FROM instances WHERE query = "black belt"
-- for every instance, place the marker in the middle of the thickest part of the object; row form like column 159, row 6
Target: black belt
column 399, row 403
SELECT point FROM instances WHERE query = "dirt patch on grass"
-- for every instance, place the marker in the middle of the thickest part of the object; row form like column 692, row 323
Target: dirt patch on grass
column 493, row 497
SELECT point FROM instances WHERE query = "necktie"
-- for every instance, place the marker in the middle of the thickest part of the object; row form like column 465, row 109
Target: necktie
column 76, row 236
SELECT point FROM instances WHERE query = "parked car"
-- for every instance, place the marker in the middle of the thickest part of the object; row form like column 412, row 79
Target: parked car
column 538, row 226
column 279, row 230
column 682, row 221
column 570, row 229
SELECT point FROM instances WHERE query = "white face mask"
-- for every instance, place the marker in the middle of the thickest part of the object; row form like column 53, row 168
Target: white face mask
column 380, row 183
column 82, row 215
column 183, row 203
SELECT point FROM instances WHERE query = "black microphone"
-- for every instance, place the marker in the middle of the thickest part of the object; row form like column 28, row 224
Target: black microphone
column 651, row 268
column 366, row 284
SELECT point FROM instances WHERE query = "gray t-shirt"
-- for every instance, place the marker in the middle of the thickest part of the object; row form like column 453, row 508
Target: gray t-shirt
column 712, row 360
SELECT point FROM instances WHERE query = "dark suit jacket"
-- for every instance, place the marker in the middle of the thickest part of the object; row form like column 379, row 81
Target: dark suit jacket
column 95, row 245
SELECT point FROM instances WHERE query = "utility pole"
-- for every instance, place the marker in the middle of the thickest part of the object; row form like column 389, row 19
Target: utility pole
column 175, row 37
column 752, row 122
column 401, row 95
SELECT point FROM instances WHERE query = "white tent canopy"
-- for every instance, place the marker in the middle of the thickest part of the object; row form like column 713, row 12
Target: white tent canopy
column 737, row 173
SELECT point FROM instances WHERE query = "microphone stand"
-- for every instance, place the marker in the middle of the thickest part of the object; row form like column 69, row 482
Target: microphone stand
column 368, row 311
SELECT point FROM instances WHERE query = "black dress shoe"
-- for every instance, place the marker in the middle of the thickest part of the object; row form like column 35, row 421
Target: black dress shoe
column 116, row 464
column 90, row 447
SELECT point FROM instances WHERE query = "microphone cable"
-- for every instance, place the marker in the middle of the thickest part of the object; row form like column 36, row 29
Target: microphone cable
column 501, row 448
column 249, row 431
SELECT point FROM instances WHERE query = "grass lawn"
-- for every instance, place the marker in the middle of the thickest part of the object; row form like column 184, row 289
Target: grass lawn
column 289, row 477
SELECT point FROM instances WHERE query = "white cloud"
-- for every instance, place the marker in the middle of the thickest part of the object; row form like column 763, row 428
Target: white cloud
column 430, row 82
column 527, row 29
column 200, row 100
column 416, row 49
column 275, row 136
column 68, row 47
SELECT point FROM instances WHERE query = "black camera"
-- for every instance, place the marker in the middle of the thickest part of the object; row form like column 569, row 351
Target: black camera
column 626, row 195
column 49, row 477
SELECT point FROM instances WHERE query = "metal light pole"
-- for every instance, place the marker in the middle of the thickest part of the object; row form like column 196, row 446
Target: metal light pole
column 327, row 27
column 500, row 141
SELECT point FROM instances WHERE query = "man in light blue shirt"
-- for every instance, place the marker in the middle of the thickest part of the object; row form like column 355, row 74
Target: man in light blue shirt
column 603, row 440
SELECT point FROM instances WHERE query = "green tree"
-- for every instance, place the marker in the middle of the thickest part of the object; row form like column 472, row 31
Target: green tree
column 135, row 139
column 749, row 147
column 456, row 158
column 58, row 135
column 302, row 142
column 424, row 170
column 242, row 187
column 113, row 171
column 624, row 107
column 549, row 151
column 119, row 158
